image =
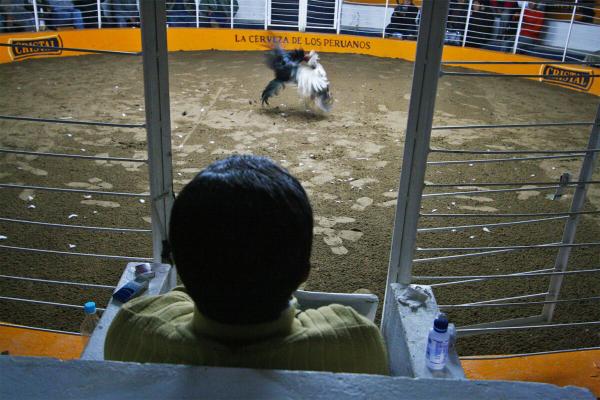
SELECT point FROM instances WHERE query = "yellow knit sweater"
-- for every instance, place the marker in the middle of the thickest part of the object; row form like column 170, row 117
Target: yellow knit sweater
column 169, row 329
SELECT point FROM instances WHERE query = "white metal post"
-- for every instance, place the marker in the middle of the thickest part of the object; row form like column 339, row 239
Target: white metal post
column 99, row 12
column 562, row 259
column 469, row 10
column 430, row 46
column 570, row 30
column 387, row 4
column 197, row 3
column 158, row 121
column 516, row 44
column 266, row 14
column 302, row 15
column 338, row 25
column 231, row 13
column 35, row 15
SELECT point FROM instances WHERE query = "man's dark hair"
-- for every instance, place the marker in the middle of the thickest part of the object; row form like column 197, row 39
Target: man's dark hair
column 241, row 237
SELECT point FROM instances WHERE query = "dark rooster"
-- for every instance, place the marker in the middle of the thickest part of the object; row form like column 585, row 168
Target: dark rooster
column 310, row 78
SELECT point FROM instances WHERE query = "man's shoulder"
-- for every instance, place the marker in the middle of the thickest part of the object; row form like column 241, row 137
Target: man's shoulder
column 335, row 316
column 152, row 305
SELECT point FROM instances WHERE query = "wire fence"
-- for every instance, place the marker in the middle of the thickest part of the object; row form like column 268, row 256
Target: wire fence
column 560, row 30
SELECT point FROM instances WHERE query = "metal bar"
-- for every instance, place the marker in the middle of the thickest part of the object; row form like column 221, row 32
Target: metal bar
column 418, row 132
column 267, row 14
column 99, row 11
column 513, row 151
column 158, row 122
column 39, row 153
column 500, row 357
column 519, row 25
column 528, row 125
column 68, row 253
column 35, row 328
column 94, row 228
column 231, row 12
column 197, row 9
column 519, row 304
column 481, row 279
column 517, row 328
column 454, row 257
column 22, row 278
column 53, row 189
column 492, row 160
column 123, row 53
column 523, row 296
column 338, row 15
column 387, row 4
column 47, row 303
column 564, row 56
column 508, row 215
column 457, row 227
column 506, row 184
column 478, row 192
column 469, row 11
column 503, row 276
column 499, row 75
column 578, row 202
column 36, row 17
column 70, row 122
column 523, row 247
column 518, row 62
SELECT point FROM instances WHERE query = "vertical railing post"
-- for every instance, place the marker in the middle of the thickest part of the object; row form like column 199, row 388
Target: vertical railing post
column 158, row 120
column 266, row 14
column 231, row 12
column 522, row 13
column 426, row 71
column 302, row 15
column 99, row 11
column 570, row 30
column 35, row 15
column 562, row 259
column 197, row 4
column 387, row 4
column 469, row 10
column 338, row 26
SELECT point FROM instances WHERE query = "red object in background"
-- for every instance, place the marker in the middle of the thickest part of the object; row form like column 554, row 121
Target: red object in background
column 533, row 22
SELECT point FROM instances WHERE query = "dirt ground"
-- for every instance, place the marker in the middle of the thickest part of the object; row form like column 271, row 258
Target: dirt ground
column 349, row 162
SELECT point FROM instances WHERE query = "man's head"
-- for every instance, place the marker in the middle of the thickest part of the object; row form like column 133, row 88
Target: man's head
column 241, row 236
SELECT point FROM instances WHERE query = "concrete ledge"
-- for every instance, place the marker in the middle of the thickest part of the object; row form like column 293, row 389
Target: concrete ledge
column 43, row 378
column 406, row 327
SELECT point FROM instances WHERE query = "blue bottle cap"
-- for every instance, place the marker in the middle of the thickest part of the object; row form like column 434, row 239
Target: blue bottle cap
column 89, row 307
column 440, row 324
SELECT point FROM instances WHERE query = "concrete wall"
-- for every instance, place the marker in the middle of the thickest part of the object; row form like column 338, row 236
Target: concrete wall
column 43, row 378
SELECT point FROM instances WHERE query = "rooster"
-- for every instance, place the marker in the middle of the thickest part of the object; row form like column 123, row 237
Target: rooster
column 310, row 78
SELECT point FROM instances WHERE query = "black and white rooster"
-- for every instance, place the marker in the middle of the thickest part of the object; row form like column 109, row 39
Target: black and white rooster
column 310, row 78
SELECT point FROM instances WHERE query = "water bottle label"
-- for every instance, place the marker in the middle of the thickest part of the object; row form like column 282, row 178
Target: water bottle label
column 437, row 351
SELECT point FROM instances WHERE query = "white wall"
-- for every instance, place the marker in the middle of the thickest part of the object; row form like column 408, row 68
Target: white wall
column 583, row 36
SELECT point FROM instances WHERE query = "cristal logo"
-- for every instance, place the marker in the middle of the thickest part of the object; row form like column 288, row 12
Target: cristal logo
column 40, row 46
column 571, row 77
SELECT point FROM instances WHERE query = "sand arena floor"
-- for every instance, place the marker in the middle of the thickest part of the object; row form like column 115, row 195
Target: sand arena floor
column 348, row 161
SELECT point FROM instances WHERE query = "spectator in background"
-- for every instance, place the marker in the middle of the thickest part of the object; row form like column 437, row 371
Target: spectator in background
column 503, row 13
column 457, row 17
column 218, row 13
column 63, row 13
column 121, row 13
column 89, row 12
column 181, row 13
column 585, row 8
column 531, row 27
column 404, row 21
column 480, row 25
column 17, row 16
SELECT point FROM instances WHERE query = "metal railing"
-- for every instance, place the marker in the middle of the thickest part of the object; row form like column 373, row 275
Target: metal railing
column 157, row 126
column 564, row 30
column 414, row 225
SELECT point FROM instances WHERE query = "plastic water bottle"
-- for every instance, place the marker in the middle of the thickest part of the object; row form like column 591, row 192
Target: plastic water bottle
column 90, row 321
column 438, row 343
